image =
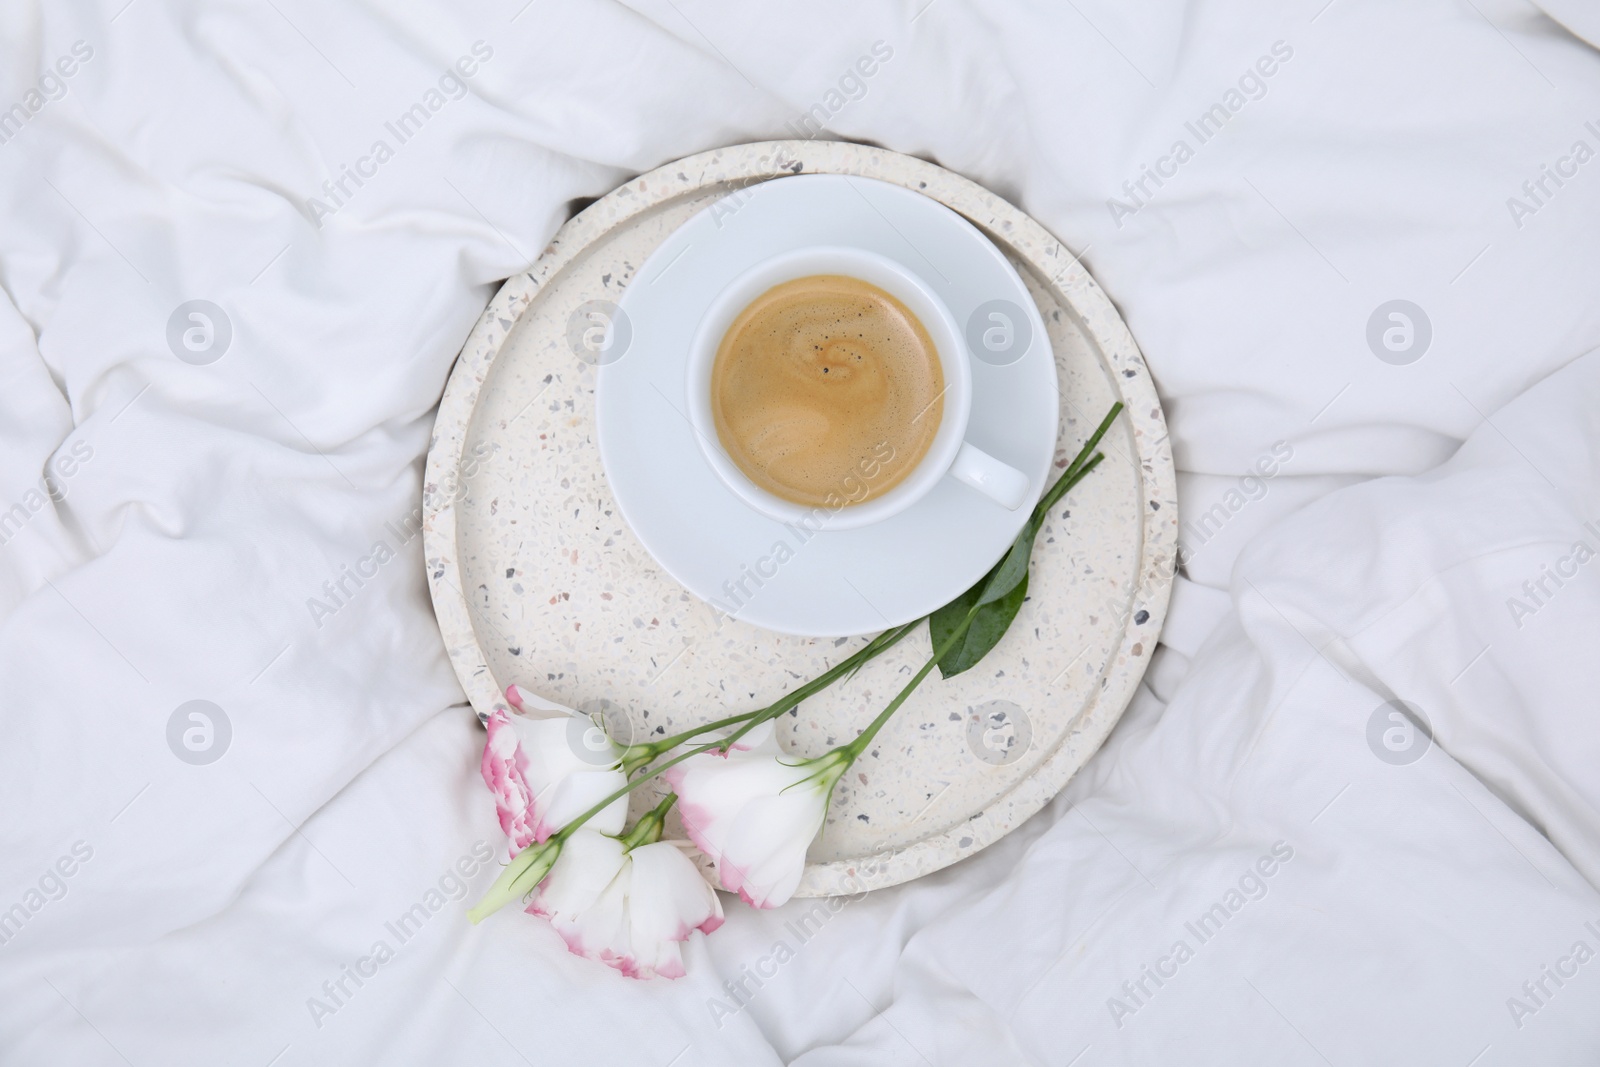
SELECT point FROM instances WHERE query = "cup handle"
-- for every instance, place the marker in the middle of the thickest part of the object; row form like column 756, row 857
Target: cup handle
column 1003, row 484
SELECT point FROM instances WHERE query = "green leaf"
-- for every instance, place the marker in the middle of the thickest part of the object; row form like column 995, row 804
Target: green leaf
column 990, row 624
column 943, row 623
column 1001, row 591
column 1000, row 581
column 1011, row 569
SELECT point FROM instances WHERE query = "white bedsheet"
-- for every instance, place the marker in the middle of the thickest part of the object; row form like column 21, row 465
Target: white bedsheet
column 207, row 906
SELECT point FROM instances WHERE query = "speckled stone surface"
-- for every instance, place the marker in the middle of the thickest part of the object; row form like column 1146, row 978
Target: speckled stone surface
column 537, row 580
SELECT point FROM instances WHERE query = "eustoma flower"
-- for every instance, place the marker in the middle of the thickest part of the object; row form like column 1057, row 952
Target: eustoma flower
column 546, row 772
column 755, row 813
column 628, row 902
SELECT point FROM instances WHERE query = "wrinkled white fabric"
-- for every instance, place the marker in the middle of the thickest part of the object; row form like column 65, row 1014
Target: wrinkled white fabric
column 301, row 899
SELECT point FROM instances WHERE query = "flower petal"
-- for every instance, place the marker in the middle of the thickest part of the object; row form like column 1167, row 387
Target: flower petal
column 559, row 747
column 576, row 794
column 765, row 853
column 600, row 931
column 755, row 814
column 761, row 740
column 588, row 864
column 504, row 769
column 563, row 765
column 712, row 790
column 669, row 898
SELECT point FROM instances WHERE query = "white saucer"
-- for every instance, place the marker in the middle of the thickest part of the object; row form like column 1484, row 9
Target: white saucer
column 831, row 583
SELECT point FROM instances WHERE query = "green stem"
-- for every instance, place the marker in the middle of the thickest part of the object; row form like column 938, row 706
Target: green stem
column 859, row 745
column 874, row 647
column 1066, row 484
column 567, row 830
column 1080, row 465
column 877, row 646
column 636, row 756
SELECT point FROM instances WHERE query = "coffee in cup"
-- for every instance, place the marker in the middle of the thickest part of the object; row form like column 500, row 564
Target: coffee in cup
column 826, row 388
column 760, row 391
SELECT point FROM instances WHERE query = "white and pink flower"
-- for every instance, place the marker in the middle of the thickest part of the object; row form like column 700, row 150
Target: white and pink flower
column 755, row 813
column 629, row 909
column 545, row 772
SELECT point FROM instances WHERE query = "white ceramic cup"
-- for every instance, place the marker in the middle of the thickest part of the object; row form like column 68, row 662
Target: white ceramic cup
column 949, row 454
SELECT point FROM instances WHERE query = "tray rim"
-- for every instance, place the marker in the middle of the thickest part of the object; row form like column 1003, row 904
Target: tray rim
column 1076, row 291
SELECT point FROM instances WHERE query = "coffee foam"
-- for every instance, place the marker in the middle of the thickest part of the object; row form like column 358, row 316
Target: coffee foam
column 827, row 391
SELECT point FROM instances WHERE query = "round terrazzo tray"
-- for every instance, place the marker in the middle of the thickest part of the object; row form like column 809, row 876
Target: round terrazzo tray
column 537, row 580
